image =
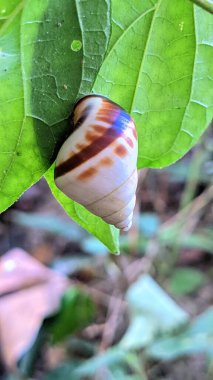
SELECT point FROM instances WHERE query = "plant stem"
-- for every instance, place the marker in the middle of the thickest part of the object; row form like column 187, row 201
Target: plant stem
column 205, row 4
column 195, row 168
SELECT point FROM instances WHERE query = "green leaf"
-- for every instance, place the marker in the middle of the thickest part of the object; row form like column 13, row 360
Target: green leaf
column 146, row 298
column 197, row 338
column 36, row 74
column 109, row 358
column 153, row 312
column 106, row 233
column 201, row 239
column 64, row 371
column 121, row 374
column 156, row 52
column 48, row 222
column 76, row 311
column 140, row 332
column 117, row 362
column 185, row 280
column 89, row 367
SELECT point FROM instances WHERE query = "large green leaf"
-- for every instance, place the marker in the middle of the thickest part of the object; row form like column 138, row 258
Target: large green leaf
column 40, row 76
column 159, row 68
column 106, row 233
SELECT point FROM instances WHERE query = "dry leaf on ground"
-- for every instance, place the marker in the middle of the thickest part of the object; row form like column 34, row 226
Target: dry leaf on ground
column 29, row 292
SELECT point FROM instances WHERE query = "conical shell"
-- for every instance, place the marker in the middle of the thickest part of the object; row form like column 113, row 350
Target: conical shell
column 96, row 165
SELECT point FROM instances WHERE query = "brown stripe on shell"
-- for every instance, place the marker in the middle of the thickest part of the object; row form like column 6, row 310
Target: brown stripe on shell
column 96, row 146
column 108, row 112
column 83, row 117
column 80, row 146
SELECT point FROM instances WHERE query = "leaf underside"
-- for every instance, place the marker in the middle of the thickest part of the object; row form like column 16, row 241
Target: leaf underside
column 33, row 93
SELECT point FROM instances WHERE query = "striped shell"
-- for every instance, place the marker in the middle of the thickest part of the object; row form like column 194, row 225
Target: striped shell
column 96, row 166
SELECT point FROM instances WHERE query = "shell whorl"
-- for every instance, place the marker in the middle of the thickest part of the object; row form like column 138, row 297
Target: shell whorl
column 96, row 166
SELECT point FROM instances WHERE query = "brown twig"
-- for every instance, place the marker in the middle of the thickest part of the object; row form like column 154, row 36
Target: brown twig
column 142, row 265
column 114, row 310
column 192, row 209
column 100, row 297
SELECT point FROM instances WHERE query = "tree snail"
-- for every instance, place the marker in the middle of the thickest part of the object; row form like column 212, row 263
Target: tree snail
column 96, row 165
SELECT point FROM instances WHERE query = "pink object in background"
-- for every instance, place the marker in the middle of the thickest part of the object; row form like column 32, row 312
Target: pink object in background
column 29, row 292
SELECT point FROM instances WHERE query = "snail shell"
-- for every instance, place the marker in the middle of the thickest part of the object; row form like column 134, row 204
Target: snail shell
column 96, row 165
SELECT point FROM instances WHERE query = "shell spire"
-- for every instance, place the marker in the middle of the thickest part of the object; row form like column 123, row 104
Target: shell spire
column 96, row 165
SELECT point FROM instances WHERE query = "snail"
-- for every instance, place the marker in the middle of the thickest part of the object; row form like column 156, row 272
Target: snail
column 96, row 165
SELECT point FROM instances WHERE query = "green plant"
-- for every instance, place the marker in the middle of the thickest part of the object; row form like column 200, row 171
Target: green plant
column 153, row 58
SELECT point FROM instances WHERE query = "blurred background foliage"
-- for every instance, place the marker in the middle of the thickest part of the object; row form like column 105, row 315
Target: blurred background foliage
column 146, row 314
